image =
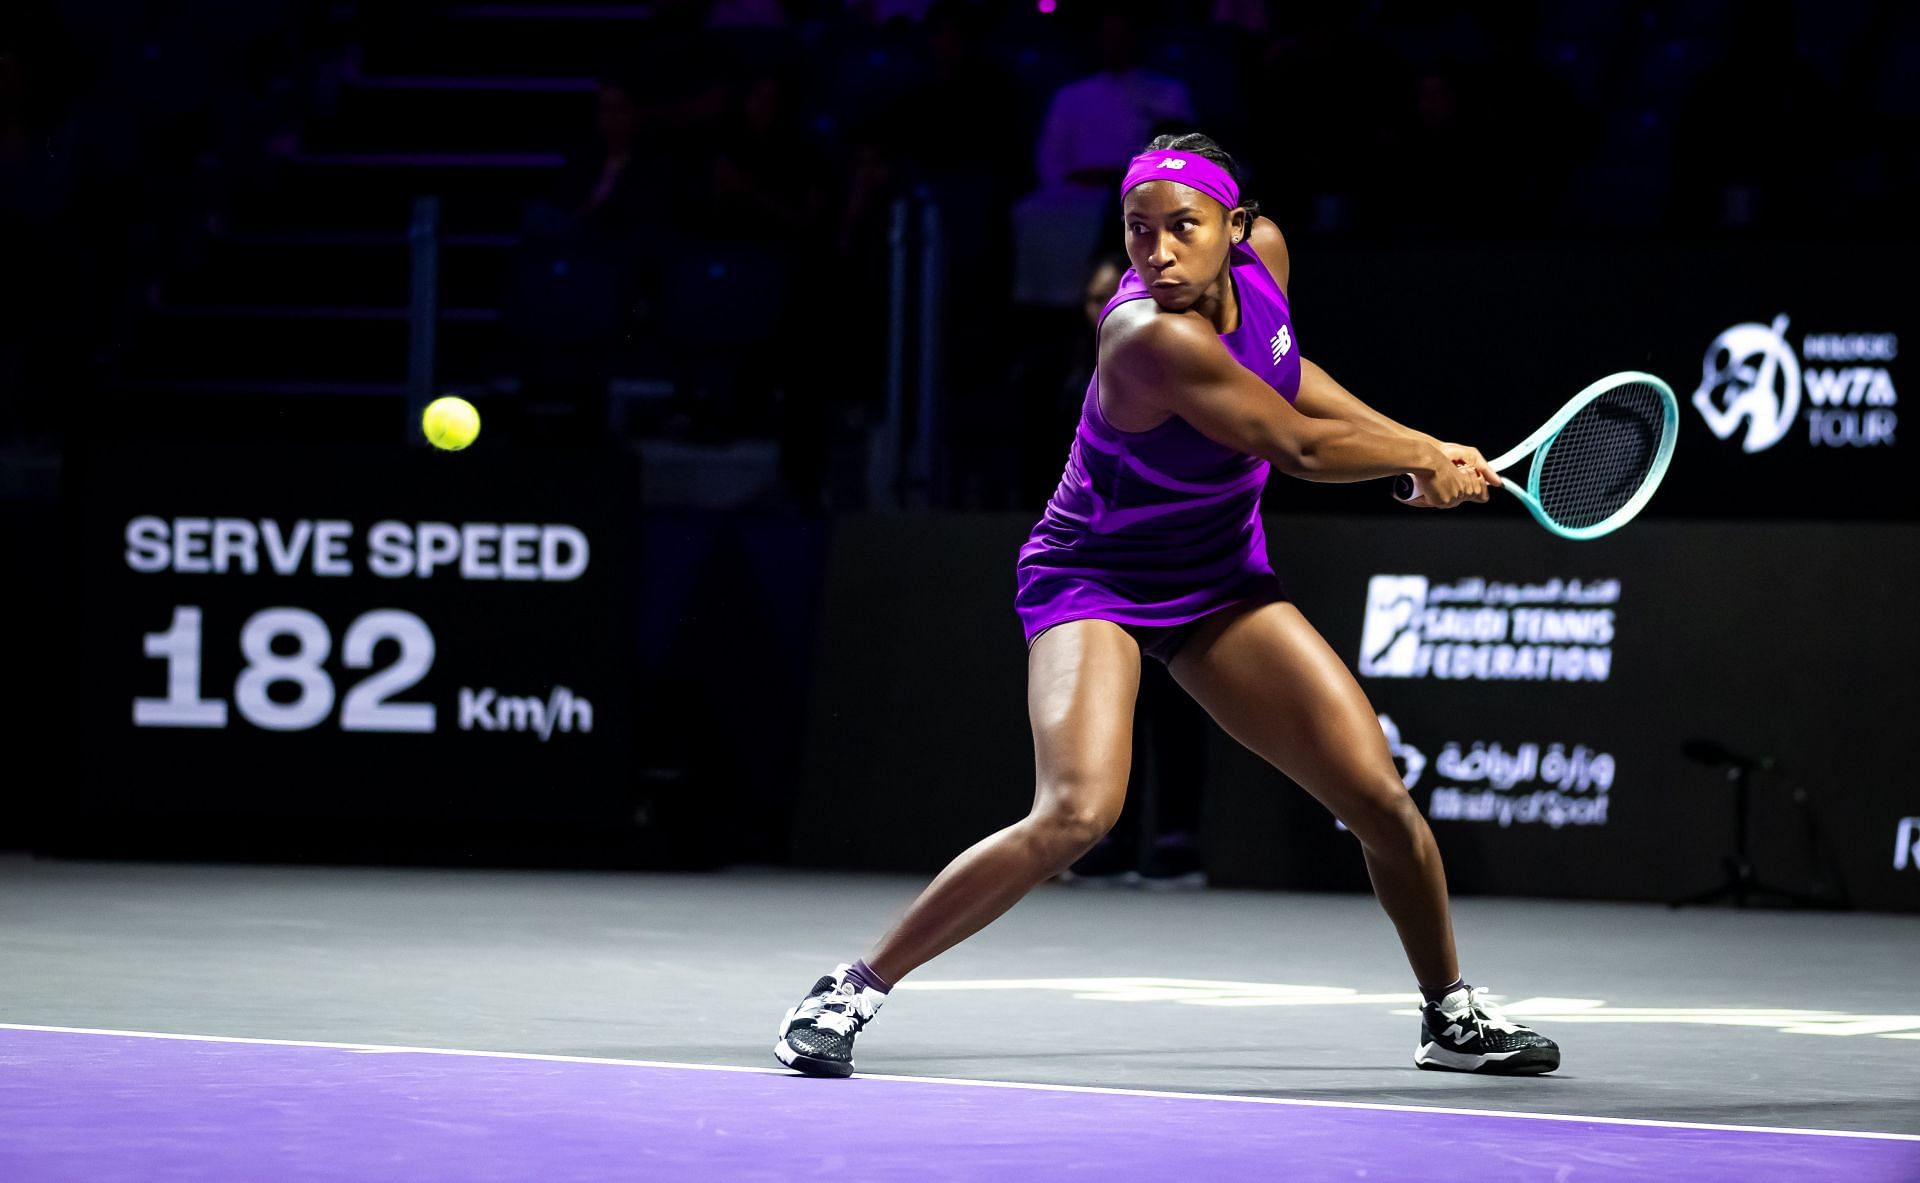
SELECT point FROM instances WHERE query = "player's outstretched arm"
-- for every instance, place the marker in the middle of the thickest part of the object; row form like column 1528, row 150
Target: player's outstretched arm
column 1323, row 398
column 1320, row 397
column 1179, row 363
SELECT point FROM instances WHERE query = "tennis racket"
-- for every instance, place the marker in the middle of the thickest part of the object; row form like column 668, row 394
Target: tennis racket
column 1595, row 463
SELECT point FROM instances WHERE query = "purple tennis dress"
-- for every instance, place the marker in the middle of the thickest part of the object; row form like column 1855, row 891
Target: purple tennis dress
column 1160, row 528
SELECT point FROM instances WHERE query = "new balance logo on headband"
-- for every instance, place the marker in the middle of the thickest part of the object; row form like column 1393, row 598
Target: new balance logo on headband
column 1173, row 162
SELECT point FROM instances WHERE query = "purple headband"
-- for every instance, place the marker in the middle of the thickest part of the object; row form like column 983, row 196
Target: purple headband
column 1188, row 168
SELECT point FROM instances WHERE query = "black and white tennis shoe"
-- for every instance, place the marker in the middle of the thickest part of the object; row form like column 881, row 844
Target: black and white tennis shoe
column 816, row 1037
column 1463, row 1032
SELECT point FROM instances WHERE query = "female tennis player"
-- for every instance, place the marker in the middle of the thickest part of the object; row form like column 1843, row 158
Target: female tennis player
column 1153, row 544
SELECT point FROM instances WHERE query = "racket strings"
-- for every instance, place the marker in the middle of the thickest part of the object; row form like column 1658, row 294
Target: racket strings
column 1593, row 467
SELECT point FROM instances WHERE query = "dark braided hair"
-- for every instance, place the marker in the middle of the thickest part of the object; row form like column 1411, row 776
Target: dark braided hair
column 1203, row 145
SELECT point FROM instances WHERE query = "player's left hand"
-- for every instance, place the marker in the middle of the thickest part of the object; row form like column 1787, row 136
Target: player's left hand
column 1469, row 457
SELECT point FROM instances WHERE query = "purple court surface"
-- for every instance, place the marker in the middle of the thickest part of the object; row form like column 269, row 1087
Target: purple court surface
column 220, row 1022
column 103, row 1106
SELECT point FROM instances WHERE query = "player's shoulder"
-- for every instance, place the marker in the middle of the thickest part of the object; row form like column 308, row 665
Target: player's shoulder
column 1141, row 329
column 1271, row 245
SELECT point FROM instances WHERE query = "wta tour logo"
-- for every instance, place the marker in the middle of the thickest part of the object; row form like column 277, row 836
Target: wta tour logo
column 1752, row 379
column 1487, row 631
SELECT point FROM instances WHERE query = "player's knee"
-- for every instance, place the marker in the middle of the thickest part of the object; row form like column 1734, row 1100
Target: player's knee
column 1067, row 829
column 1385, row 817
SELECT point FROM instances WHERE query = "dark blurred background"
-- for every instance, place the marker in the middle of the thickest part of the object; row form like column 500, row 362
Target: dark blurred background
column 736, row 279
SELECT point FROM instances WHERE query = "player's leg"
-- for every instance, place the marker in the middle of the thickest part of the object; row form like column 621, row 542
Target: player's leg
column 1082, row 678
column 1270, row 680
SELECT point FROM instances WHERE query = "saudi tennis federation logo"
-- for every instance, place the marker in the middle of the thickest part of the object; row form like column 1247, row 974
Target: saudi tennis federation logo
column 1750, row 375
column 1390, row 639
column 1487, row 630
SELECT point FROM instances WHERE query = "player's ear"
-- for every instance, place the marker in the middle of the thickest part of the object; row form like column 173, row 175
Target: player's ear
column 1238, row 222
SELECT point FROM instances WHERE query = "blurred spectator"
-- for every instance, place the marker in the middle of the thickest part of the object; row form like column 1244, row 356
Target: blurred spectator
column 795, row 125
column 964, row 101
column 597, row 286
column 746, row 14
column 881, row 12
column 1246, row 16
column 1092, row 128
column 763, row 186
column 1487, row 143
column 39, row 75
column 576, row 276
column 1050, row 378
column 605, row 209
column 752, row 282
column 1532, row 128
column 1325, row 113
column 1885, row 68
column 1762, row 99
column 1102, row 283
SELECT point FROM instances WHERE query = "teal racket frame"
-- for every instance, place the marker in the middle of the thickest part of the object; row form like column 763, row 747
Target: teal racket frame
column 1540, row 443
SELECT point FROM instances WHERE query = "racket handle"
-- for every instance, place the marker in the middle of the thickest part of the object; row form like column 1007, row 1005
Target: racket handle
column 1404, row 488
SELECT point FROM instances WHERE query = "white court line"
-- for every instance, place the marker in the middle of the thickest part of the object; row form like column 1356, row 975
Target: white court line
column 989, row 1084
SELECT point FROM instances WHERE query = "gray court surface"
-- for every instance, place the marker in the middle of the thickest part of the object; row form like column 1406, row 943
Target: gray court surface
column 1750, row 1018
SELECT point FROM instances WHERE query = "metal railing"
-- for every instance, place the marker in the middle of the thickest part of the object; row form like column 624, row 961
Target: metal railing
column 423, row 313
column 906, row 463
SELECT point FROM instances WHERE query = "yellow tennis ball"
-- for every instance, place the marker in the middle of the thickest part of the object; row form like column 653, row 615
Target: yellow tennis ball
column 450, row 423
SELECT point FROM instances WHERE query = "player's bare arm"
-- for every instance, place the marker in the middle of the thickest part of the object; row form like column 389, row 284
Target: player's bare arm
column 1174, row 362
column 1321, row 397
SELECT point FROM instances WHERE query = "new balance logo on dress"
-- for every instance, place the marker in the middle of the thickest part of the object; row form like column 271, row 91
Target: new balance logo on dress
column 1281, row 343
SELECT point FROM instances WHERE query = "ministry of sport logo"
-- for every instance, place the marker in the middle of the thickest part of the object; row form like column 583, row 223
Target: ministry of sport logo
column 1530, row 783
column 1489, row 631
column 1752, row 379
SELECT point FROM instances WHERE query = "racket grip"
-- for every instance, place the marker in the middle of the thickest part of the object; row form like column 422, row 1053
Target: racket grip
column 1404, row 488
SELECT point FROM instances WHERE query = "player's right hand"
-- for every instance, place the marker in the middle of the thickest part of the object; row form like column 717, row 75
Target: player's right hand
column 1450, row 485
